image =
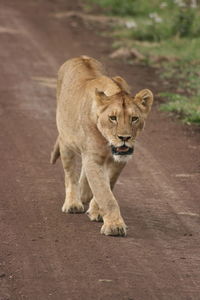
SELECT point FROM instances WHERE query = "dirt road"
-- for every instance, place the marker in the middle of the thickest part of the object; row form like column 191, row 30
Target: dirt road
column 45, row 254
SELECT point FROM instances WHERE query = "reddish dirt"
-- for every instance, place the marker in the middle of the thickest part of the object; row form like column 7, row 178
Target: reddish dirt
column 45, row 254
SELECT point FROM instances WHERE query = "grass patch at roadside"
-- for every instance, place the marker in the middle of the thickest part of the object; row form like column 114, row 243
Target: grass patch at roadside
column 167, row 34
column 186, row 107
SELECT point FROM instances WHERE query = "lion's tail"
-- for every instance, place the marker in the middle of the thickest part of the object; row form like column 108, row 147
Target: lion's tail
column 55, row 154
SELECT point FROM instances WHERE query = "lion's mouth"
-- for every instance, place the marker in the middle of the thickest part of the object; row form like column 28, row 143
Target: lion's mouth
column 122, row 150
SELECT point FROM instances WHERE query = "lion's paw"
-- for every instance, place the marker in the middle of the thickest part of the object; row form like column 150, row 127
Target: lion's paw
column 94, row 216
column 74, row 208
column 117, row 228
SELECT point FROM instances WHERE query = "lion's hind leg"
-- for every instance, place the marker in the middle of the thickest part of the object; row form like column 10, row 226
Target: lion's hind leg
column 94, row 212
column 84, row 188
column 55, row 154
column 86, row 196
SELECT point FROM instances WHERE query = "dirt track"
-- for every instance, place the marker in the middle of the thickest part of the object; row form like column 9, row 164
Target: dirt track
column 45, row 254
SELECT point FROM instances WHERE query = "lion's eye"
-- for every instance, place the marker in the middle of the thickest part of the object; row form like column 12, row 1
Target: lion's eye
column 113, row 118
column 135, row 119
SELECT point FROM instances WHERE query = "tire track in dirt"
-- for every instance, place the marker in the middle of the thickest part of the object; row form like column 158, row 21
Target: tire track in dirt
column 163, row 184
column 26, row 105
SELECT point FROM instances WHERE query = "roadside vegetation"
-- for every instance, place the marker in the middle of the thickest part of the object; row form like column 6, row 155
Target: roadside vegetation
column 167, row 34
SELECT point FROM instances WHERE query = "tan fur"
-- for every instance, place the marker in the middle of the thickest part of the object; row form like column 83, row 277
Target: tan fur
column 87, row 100
column 55, row 154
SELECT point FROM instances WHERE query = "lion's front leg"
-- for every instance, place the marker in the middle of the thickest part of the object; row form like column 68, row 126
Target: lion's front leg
column 113, row 170
column 108, row 206
column 72, row 202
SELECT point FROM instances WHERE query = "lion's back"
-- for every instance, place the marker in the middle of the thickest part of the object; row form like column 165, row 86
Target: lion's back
column 72, row 92
column 76, row 72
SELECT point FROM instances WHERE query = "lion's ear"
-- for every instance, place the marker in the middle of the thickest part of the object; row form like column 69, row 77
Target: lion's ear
column 144, row 100
column 123, row 85
column 101, row 97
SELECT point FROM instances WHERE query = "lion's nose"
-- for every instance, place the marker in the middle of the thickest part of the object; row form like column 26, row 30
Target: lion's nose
column 124, row 138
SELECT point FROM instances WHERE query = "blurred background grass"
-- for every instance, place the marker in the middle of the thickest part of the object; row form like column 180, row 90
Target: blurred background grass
column 167, row 32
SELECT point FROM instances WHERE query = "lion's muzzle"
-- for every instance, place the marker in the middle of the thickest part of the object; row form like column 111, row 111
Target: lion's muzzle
column 122, row 150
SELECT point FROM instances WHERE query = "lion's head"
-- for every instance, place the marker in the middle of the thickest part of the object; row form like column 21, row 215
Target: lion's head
column 120, row 118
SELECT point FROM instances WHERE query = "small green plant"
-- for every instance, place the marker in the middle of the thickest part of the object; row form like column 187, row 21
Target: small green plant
column 183, row 22
column 116, row 7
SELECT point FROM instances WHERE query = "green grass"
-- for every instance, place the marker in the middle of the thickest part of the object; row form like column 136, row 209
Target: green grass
column 186, row 107
column 185, row 101
column 168, row 29
column 156, row 19
column 132, row 7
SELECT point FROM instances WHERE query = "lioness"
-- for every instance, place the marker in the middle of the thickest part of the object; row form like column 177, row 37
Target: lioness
column 98, row 119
